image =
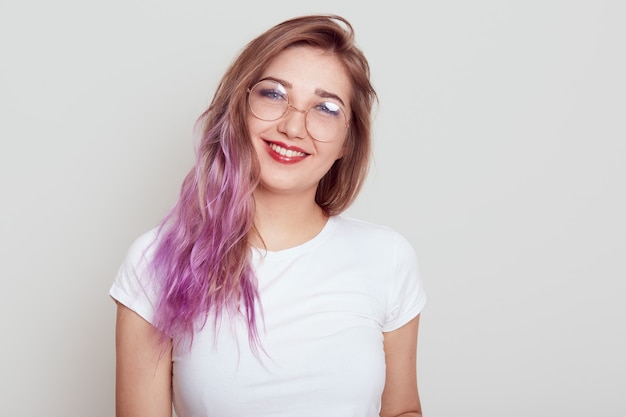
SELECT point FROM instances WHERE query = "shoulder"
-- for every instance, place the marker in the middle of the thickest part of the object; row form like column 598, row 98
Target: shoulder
column 133, row 285
column 143, row 246
column 135, row 269
column 362, row 227
column 373, row 233
column 140, row 252
column 371, row 239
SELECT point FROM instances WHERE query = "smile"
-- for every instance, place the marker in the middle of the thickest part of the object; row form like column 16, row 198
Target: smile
column 284, row 152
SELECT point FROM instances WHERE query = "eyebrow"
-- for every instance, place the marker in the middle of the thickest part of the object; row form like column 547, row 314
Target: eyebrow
column 318, row 91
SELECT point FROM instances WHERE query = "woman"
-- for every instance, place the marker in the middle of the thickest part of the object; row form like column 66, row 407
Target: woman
column 254, row 297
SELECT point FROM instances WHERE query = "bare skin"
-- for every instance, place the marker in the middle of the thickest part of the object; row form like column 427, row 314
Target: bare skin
column 400, row 396
column 283, row 223
column 143, row 368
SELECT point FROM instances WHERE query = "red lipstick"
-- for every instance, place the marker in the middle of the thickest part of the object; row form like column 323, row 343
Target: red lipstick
column 285, row 154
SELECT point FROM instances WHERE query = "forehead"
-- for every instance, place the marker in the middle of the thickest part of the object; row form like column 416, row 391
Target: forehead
column 308, row 69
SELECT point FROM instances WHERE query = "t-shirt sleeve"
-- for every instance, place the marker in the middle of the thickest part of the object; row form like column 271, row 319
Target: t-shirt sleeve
column 133, row 285
column 405, row 295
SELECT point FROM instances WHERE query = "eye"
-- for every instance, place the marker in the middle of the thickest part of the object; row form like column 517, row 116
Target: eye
column 328, row 109
column 272, row 94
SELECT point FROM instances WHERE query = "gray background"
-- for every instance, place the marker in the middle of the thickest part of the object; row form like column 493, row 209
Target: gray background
column 500, row 149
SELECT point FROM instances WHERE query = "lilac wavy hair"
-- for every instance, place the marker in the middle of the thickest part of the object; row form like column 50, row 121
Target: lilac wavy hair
column 202, row 255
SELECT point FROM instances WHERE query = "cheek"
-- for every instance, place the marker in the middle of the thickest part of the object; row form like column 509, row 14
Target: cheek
column 251, row 125
column 256, row 126
column 343, row 149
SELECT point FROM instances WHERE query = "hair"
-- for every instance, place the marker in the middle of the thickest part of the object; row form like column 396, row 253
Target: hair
column 202, row 254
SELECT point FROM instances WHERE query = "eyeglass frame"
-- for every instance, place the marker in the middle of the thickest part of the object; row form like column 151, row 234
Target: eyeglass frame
column 291, row 106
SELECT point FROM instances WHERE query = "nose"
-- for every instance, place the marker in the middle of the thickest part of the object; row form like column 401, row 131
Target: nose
column 292, row 124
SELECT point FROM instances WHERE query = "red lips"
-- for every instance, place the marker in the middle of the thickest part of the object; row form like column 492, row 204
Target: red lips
column 285, row 154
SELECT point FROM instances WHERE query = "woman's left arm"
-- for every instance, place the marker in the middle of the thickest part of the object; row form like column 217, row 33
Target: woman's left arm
column 400, row 396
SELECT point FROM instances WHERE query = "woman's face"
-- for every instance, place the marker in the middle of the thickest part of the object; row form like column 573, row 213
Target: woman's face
column 291, row 160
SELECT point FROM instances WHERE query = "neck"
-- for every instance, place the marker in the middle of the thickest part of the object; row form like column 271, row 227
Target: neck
column 284, row 221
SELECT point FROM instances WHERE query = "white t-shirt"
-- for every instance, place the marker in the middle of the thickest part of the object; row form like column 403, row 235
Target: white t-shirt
column 325, row 305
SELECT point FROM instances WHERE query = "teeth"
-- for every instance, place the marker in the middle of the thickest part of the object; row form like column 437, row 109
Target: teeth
column 285, row 152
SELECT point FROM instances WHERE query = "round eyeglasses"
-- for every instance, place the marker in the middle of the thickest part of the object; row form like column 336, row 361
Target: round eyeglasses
column 324, row 121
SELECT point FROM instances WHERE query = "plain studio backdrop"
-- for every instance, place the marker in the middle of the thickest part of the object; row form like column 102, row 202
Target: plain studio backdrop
column 500, row 150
